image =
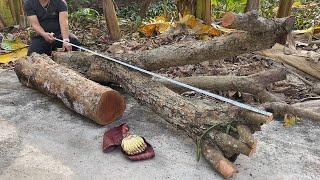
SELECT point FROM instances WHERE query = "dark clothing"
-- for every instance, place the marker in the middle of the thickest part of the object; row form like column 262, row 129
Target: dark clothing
column 41, row 46
column 48, row 16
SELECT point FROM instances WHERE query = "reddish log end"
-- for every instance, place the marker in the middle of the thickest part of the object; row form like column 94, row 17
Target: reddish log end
column 111, row 106
column 227, row 19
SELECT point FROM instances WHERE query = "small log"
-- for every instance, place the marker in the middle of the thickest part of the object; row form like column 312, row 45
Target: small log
column 301, row 63
column 246, row 136
column 101, row 104
column 254, row 118
column 230, row 145
column 222, row 165
column 254, row 84
column 280, row 109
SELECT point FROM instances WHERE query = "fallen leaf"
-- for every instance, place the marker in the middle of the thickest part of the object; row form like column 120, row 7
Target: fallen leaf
column 290, row 120
column 113, row 137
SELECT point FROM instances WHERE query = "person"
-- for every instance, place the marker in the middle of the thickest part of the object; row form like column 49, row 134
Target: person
column 49, row 19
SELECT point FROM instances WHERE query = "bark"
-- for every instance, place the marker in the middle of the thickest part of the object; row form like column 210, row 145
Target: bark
column 111, row 19
column 2, row 22
column 214, row 156
column 254, row 84
column 246, row 136
column 100, row 104
column 217, row 48
column 144, row 7
column 284, row 8
column 230, row 145
column 284, row 11
column 212, row 50
column 252, row 5
column 251, row 22
column 16, row 9
column 280, row 109
column 301, row 63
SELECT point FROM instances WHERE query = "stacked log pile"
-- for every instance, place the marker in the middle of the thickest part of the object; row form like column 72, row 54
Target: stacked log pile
column 221, row 131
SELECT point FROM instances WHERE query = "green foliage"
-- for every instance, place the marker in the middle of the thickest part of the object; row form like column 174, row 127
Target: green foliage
column 306, row 17
column 222, row 6
column 74, row 5
column 165, row 7
column 84, row 15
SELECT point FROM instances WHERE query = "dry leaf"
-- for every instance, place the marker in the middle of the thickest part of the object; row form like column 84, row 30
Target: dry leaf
column 290, row 120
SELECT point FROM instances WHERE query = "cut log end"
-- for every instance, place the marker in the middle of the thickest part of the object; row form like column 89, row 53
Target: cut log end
column 228, row 19
column 110, row 107
column 213, row 155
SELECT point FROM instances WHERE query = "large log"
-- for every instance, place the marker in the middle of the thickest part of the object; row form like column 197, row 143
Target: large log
column 262, row 34
column 192, row 117
column 99, row 103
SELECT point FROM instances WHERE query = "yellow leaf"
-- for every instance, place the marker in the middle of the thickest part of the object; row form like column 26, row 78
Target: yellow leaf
column 161, row 19
column 14, row 55
column 290, row 120
column 296, row 4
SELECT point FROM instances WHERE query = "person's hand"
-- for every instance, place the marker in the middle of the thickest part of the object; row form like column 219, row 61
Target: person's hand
column 49, row 37
column 66, row 46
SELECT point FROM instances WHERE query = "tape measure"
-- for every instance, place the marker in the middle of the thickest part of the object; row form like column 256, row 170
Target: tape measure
column 201, row 91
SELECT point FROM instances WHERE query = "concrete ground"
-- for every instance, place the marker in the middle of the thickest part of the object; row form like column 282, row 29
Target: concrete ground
column 41, row 139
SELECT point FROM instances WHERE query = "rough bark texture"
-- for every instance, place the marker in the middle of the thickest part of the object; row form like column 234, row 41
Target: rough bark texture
column 251, row 22
column 246, row 136
column 280, row 109
column 254, row 84
column 301, row 63
column 218, row 161
column 252, row 5
column 100, row 104
column 111, row 19
column 211, row 50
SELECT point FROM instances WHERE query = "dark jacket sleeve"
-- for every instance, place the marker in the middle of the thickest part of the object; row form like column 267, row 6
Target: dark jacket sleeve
column 29, row 8
column 62, row 6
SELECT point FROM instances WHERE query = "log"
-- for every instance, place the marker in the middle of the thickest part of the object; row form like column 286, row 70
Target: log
column 218, row 161
column 211, row 50
column 254, row 84
column 264, row 37
column 246, row 136
column 101, row 104
column 301, row 63
column 280, row 109
column 251, row 22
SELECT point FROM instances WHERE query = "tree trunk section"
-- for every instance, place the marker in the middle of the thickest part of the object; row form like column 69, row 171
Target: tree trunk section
column 111, row 19
column 101, row 104
column 284, row 11
column 254, row 84
column 252, row 5
column 16, row 8
column 144, row 8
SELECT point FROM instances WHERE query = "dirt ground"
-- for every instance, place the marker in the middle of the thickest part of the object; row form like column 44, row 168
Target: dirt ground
column 41, row 139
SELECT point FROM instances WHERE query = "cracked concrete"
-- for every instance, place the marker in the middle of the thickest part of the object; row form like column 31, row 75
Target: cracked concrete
column 41, row 139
